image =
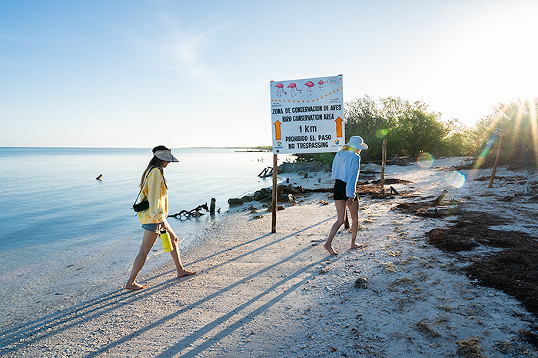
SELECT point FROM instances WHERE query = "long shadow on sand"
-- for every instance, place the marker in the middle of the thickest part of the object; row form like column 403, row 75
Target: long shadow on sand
column 44, row 328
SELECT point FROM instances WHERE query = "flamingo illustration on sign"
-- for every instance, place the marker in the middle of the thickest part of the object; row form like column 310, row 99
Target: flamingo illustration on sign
column 320, row 83
column 280, row 89
column 293, row 88
column 309, row 84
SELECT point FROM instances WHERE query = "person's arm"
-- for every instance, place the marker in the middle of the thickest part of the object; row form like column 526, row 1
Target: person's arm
column 353, row 175
column 154, row 183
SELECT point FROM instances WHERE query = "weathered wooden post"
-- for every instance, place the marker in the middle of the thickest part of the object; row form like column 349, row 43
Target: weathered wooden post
column 274, row 201
column 383, row 163
column 496, row 162
column 212, row 206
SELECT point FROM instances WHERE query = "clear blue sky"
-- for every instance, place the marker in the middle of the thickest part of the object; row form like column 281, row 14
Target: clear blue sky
column 196, row 73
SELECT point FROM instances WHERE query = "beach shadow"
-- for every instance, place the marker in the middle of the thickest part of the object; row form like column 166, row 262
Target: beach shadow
column 199, row 334
column 48, row 325
column 45, row 328
column 243, row 319
column 210, row 326
column 238, row 258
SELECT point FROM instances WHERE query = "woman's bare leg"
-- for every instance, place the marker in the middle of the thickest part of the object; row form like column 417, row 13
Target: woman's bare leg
column 340, row 213
column 148, row 241
column 175, row 253
column 354, row 210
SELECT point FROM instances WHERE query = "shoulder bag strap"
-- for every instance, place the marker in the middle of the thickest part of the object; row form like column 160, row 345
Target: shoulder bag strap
column 144, row 183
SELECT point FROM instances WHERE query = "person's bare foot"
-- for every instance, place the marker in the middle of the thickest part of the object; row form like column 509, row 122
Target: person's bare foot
column 356, row 246
column 330, row 249
column 186, row 273
column 135, row 287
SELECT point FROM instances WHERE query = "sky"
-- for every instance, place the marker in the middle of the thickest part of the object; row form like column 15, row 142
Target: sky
column 139, row 73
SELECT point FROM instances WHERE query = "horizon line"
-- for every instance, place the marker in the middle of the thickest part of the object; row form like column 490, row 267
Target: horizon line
column 90, row 147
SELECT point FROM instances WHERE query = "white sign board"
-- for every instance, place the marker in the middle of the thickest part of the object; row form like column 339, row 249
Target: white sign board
column 307, row 116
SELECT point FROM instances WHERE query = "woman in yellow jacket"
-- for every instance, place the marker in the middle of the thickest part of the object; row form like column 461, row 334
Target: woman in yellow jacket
column 153, row 220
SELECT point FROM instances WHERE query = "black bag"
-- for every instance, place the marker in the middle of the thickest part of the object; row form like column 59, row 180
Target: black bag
column 144, row 205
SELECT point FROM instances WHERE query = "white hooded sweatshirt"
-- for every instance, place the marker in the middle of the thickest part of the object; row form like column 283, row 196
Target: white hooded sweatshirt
column 346, row 167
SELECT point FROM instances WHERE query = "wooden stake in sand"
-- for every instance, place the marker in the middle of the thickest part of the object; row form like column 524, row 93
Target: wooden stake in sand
column 383, row 163
column 212, row 206
column 496, row 162
column 273, row 205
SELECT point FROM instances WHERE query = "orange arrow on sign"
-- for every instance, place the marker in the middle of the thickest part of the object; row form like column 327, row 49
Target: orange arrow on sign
column 339, row 127
column 277, row 130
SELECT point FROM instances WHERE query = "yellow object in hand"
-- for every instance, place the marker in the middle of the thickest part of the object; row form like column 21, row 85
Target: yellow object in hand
column 165, row 238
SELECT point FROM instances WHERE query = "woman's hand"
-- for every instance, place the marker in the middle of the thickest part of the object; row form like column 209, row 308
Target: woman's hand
column 349, row 201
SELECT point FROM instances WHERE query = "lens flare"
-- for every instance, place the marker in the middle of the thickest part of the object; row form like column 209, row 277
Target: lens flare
column 455, row 179
column 381, row 133
column 425, row 160
column 485, row 151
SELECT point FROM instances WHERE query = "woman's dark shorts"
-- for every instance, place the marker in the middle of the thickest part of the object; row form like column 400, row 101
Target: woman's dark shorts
column 156, row 228
column 340, row 190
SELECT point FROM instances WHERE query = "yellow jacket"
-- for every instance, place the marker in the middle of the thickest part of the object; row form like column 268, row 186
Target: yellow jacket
column 154, row 191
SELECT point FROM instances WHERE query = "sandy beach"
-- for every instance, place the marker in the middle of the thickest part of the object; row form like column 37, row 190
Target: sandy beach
column 263, row 294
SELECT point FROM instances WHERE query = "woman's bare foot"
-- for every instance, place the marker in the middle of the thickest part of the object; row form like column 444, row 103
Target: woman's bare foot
column 330, row 249
column 185, row 273
column 135, row 287
column 356, row 246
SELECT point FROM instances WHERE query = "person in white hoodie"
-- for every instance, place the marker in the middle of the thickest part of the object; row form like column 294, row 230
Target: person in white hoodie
column 345, row 172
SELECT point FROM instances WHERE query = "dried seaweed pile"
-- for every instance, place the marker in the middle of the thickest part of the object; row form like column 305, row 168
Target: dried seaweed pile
column 513, row 270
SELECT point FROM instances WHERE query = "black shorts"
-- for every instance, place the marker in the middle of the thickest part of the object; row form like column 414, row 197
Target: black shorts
column 340, row 190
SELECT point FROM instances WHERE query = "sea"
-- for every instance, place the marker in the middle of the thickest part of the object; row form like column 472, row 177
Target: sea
column 62, row 228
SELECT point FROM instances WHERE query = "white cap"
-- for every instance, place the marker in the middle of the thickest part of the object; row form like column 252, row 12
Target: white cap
column 165, row 155
column 357, row 143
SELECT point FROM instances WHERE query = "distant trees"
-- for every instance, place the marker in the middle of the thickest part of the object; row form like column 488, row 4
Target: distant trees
column 409, row 128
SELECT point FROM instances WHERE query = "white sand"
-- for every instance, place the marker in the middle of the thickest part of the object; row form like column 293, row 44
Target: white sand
column 259, row 294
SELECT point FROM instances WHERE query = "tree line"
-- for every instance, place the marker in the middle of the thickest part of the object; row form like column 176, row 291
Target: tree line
column 411, row 128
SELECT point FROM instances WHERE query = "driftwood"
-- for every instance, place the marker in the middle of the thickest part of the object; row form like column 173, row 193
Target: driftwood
column 318, row 190
column 267, row 172
column 192, row 213
column 361, row 189
column 283, row 191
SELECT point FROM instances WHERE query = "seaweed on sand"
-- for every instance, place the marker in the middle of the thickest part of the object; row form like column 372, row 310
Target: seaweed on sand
column 513, row 270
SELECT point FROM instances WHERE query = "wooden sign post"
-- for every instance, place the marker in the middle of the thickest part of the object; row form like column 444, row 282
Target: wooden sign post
column 274, row 201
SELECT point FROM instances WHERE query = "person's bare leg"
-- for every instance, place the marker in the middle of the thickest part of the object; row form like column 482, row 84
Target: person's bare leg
column 354, row 211
column 148, row 241
column 175, row 254
column 340, row 212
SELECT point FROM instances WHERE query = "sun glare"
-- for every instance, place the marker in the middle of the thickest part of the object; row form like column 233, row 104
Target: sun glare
column 534, row 127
